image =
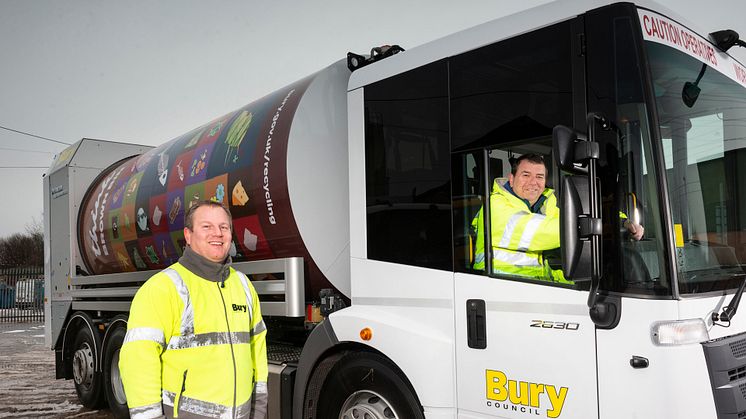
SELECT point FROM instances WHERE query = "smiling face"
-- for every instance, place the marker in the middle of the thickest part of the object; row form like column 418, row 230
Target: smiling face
column 210, row 233
column 529, row 180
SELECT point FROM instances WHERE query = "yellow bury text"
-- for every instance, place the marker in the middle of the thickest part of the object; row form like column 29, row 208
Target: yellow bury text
column 557, row 399
column 525, row 393
column 496, row 381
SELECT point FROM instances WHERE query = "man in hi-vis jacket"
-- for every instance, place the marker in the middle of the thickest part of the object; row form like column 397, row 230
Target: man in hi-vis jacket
column 525, row 223
column 195, row 344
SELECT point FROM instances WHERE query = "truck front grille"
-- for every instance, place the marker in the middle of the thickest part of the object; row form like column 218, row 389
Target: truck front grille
column 726, row 363
column 737, row 373
column 738, row 348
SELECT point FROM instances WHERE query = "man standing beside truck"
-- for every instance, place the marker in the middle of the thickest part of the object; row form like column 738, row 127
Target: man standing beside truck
column 196, row 341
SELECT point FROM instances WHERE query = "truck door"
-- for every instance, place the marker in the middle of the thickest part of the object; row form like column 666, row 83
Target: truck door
column 525, row 345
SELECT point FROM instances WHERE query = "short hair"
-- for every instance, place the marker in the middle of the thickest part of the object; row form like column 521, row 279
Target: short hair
column 531, row 157
column 188, row 217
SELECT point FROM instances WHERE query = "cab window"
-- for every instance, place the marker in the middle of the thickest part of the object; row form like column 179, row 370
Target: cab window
column 407, row 168
column 505, row 100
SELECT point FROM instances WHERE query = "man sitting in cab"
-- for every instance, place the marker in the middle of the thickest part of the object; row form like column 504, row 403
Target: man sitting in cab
column 525, row 223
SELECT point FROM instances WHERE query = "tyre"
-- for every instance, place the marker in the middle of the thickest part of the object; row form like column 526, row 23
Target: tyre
column 366, row 385
column 87, row 379
column 113, row 388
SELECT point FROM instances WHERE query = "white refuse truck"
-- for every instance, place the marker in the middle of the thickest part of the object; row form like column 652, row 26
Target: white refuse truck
column 354, row 193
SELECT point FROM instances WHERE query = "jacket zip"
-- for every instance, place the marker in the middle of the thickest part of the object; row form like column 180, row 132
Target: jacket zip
column 233, row 355
column 178, row 397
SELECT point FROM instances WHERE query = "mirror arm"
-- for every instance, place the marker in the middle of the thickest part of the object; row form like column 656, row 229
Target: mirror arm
column 589, row 227
column 594, row 120
column 585, row 150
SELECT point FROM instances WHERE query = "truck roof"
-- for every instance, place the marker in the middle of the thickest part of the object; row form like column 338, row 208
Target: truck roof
column 491, row 32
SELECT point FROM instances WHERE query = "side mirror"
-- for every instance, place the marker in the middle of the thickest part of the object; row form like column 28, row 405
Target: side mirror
column 580, row 219
column 563, row 147
column 690, row 92
column 725, row 39
column 572, row 150
column 576, row 253
column 572, row 154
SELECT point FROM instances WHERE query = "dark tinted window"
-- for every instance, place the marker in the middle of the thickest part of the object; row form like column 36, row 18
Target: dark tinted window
column 407, row 165
column 513, row 90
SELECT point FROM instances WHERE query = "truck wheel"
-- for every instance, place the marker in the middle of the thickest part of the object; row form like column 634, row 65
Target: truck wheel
column 367, row 385
column 112, row 379
column 87, row 380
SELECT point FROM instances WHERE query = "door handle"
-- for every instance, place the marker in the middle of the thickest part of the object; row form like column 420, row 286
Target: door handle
column 476, row 324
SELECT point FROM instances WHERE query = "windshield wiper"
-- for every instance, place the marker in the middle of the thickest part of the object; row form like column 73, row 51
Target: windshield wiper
column 730, row 310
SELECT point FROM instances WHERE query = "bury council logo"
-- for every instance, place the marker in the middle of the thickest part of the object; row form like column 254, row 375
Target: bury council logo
column 524, row 396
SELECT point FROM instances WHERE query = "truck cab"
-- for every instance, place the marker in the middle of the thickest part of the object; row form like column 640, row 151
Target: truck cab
column 639, row 322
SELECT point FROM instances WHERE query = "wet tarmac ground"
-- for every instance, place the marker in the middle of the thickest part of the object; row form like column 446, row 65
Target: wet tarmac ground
column 28, row 388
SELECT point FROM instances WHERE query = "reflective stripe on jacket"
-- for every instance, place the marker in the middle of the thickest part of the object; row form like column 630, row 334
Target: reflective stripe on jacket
column 518, row 235
column 194, row 348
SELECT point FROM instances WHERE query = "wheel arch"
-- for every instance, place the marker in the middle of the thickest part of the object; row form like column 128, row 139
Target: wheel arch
column 320, row 343
column 323, row 349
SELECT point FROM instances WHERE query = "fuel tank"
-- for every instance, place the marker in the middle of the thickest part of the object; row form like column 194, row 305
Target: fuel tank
column 279, row 164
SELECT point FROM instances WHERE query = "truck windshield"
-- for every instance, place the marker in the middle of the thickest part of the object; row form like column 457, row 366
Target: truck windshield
column 702, row 119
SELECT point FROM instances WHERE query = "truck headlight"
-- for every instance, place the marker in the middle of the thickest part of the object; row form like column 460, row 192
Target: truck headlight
column 679, row 332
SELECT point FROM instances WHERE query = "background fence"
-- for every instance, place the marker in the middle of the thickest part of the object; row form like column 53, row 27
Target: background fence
column 22, row 294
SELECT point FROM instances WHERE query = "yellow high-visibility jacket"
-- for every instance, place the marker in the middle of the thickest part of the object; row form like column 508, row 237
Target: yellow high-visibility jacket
column 195, row 348
column 518, row 235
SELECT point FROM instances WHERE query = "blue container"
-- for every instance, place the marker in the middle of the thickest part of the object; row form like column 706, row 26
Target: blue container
column 7, row 296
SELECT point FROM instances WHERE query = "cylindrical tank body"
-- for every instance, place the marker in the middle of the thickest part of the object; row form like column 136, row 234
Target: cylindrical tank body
column 279, row 164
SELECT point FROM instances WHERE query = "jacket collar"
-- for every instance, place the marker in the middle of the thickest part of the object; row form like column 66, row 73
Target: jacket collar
column 204, row 268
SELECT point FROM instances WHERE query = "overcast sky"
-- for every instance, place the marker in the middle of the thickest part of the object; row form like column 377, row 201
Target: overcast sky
column 148, row 71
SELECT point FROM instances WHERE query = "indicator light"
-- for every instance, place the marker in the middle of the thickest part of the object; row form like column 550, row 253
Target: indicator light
column 366, row 334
